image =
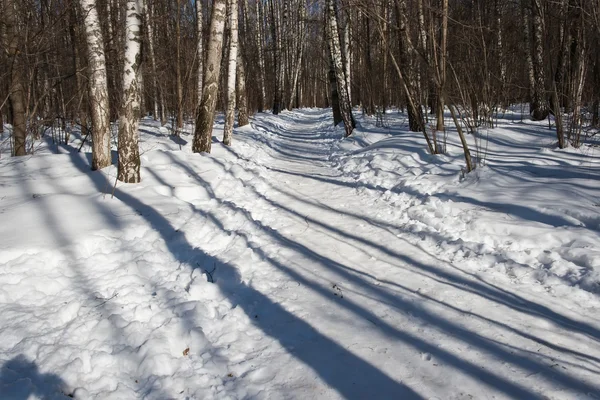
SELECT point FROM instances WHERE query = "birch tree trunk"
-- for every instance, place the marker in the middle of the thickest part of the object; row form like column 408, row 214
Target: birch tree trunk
column 260, row 52
column 129, row 153
column 348, row 58
column 16, row 89
column 540, row 107
column 528, row 53
column 439, row 110
column 98, row 89
column 277, row 56
column 232, row 11
column 199, row 49
column 152, row 57
column 242, row 95
column 210, row 87
column 178, row 76
column 336, row 57
column 333, row 86
column 415, row 113
column 298, row 58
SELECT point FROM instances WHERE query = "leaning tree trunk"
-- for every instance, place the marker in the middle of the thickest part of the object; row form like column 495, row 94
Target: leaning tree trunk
column 232, row 11
column 129, row 152
column 98, row 89
column 206, row 112
column 416, row 121
column 299, row 44
column 340, row 77
column 16, row 92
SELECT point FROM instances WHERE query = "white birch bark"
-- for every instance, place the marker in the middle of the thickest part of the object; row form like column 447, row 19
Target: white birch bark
column 232, row 11
column 199, row 48
column 98, row 86
column 150, row 37
column 206, row 112
column 336, row 57
column 260, row 52
column 300, row 39
column 348, row 59
column 128, row 149
column 540, row 107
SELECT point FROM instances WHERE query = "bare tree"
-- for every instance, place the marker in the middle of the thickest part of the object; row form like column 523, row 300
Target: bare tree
column 98, row 86
column 335, row 49
column 16, row 88
column 232, row 14
column 210, row 87
column 128, row 149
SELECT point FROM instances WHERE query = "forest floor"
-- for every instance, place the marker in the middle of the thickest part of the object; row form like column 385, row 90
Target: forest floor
column 300, row 265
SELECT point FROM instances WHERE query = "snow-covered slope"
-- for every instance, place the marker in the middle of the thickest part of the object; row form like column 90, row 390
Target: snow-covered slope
column 298, row 264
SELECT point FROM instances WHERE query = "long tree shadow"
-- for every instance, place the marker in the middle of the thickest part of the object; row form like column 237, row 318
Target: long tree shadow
column 82, row 283
column 21, row 379
column 333, row 365
column 486, row 345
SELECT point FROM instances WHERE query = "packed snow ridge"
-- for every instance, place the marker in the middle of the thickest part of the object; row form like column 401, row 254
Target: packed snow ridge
column 297, row 265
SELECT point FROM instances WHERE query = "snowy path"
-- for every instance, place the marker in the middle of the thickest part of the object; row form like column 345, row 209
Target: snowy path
column 327, row 284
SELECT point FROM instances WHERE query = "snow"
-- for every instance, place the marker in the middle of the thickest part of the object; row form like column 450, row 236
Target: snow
column 298, row 264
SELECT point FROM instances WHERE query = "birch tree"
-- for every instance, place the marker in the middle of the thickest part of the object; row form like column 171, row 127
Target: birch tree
column 128, row 149
column 232, row 13
column 539, row 104
column 242, row 96
column 335, row 49
column 199, row 48
column 98, row 89
column 210, row 87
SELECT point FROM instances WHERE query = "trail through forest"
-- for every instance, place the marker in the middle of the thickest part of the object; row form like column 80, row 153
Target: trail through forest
column 297, row 264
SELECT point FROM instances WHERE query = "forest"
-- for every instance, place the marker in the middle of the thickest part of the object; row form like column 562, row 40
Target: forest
column 94, row 63
column 299, row 199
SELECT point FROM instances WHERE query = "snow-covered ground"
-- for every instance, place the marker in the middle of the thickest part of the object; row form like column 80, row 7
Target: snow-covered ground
column 297, row 264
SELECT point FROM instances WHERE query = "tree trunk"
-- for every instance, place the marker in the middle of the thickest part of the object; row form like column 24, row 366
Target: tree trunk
column 333, row 86
column 210, row 87
column 199, row 50
column 260, row 53
column 277, row 56
column 149, row 33
column 16, row 89
column 336, row 57
column 98, row 90
column 348, row 59
column 232, row 11
column 129, row 153
column 178, row 78
column 528, row 53
column 439, row 110
column 298, row 58
column 463, row 140
column 415, row 113
column 242, row 95
column 540, row 107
